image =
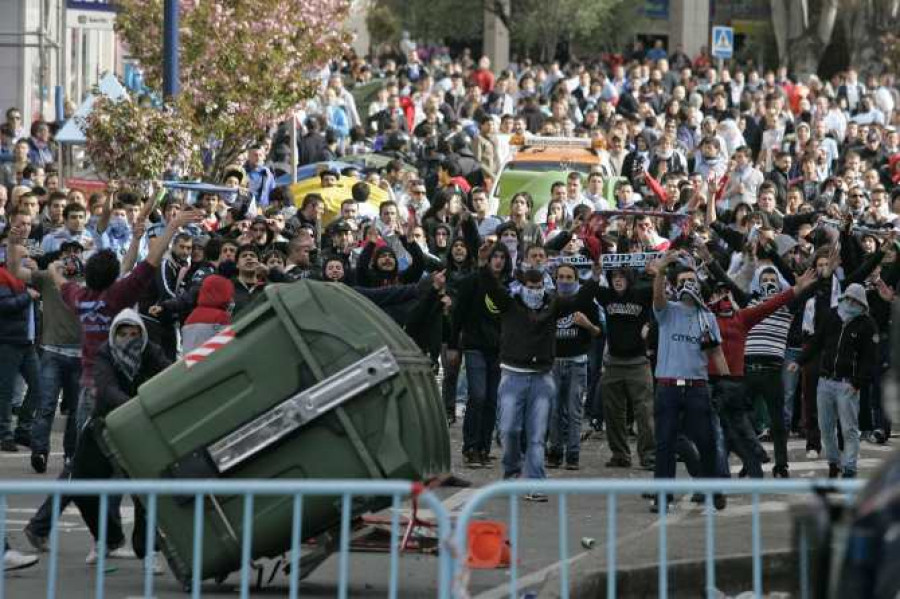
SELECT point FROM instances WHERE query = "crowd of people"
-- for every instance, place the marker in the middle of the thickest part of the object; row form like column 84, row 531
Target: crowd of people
column 752, row 221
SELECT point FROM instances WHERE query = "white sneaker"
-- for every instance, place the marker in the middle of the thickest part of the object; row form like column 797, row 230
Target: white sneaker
column 812, row 454
column 120, row 552
column 15, row 560
column 156, row 565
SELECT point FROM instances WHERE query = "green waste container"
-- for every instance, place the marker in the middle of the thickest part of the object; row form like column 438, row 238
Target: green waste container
column 317, row 383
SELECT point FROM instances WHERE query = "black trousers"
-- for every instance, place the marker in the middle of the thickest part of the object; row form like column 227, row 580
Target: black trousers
column 734, row 411
column 766, row 384
column 91, row 463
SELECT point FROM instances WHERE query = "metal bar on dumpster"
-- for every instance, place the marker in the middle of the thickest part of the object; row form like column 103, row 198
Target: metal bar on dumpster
column 302, row 408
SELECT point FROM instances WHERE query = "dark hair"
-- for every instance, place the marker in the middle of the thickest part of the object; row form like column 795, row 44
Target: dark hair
column 128, row 197
column 360, row 191
column 386, row 204
column 529, row 201
column 213, row 249
column 451, row 167
column 569, row 266
column 309, row 199
column 73, row 208
column 102, row 270
column 57, row 195
column 247, row 247
column 532, row 276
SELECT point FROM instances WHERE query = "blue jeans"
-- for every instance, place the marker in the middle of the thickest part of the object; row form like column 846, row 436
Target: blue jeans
column 838, row 403
column 525, row 403
column 791, row 380
column 483, row 378
column 58, row 373
column 566, row 408
column 689, row 407
column 14, row 360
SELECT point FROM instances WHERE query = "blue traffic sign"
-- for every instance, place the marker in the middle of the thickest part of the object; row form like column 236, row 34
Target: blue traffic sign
column 722, row 42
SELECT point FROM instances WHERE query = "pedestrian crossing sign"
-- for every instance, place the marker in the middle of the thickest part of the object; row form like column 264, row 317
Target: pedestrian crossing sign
column 722, row 42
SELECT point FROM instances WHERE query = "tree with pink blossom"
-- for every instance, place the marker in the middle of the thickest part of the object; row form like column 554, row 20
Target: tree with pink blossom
column 245, row 64
column 132, row 141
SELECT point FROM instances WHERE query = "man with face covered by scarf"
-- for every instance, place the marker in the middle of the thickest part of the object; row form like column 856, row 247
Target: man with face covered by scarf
column 728, row 391
column 126, row 361
column 528, row 325
column 848, row 344
column 767, row 344
column 688, row 337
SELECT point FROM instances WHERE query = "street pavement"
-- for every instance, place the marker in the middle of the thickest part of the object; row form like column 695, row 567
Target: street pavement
column 586, row 518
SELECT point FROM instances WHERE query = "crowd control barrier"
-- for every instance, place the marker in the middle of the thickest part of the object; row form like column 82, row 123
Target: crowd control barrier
column 449, row 538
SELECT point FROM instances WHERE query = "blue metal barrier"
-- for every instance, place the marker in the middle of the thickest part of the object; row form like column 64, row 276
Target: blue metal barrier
column 613, row 489
column 346, row 490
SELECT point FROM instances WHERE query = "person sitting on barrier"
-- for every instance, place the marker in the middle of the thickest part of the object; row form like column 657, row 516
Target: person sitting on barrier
column 688, row 337
column 126, row 361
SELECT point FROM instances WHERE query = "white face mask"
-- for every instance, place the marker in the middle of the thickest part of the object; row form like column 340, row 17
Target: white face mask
column 848, row 310
column 533, row 298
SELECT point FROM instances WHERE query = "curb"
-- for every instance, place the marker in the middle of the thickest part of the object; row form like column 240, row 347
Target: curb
column 687, row 578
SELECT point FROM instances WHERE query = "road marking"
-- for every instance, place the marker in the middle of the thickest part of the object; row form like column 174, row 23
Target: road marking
column 27, row 454
column 800, row 444
column 814, row 465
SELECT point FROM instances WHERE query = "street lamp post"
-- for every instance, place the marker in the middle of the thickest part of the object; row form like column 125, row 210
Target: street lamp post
column 170, row 49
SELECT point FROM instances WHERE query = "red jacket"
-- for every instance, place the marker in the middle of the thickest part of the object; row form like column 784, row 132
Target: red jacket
column 734, row 331
column 216, row 293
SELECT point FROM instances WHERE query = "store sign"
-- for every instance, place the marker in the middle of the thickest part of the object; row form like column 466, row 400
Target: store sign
column 96, row 5
column 90, row 19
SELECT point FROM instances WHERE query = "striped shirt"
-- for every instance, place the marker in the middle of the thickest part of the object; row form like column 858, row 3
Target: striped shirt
column 767, row 340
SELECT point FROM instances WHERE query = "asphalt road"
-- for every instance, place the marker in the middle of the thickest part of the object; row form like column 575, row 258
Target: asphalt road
column 636, row 541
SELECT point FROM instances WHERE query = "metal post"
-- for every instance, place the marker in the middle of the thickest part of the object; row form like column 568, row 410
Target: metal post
column 294, row 151
column 170, row 49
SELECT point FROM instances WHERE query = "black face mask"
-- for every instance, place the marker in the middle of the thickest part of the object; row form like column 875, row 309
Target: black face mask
column 769, row 289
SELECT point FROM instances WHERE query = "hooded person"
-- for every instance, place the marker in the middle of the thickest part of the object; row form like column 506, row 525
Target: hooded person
column 379, row 265
column 215, row 303
column 475, row 337
column 125, row 362
column 846, row 345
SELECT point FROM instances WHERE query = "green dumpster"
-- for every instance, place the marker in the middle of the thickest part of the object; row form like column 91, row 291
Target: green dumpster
column 317, row 383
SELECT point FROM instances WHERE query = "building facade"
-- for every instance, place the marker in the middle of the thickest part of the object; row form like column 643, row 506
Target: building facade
column 52, row 50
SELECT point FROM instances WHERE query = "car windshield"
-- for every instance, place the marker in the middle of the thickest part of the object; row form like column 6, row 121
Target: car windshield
column 550, row 165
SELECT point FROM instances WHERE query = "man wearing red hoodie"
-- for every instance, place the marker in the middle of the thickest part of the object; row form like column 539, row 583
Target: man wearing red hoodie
column 212, row 314
column 728, row 392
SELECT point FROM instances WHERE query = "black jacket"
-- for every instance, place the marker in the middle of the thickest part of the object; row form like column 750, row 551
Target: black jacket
column 626, row 315
column 475, row 322
column 528, row 337
column 571, row 339
column 14, row 308
column 849, row 350
column 112, row 387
